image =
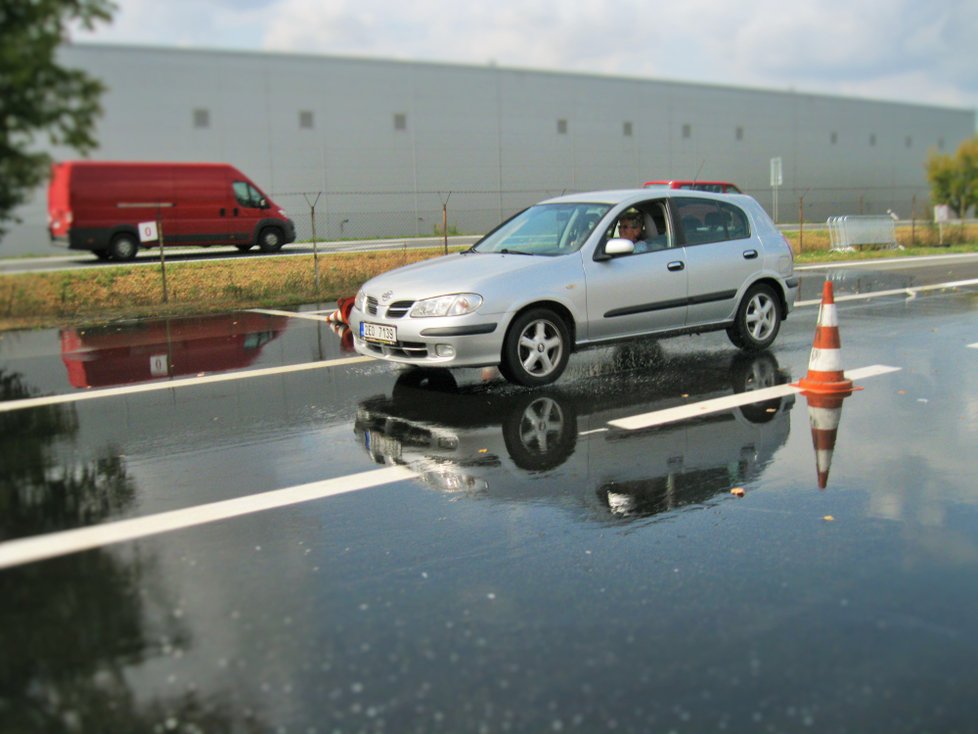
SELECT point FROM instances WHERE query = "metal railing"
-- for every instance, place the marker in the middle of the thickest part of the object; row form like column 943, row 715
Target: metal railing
column 847, row 232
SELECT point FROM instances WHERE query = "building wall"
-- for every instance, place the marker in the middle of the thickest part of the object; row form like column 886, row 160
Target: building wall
column 389, row 143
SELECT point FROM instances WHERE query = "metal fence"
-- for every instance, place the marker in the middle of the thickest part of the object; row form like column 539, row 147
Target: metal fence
column 848, row 232
column 359, row 215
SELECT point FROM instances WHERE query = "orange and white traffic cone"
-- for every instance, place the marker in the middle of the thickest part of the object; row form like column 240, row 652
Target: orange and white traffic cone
column 342, row 313
column 345, row 306
column 825, row 373
column 824, row 414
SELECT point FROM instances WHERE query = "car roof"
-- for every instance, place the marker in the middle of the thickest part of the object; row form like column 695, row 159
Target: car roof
column 615, row 197
column 666, row 182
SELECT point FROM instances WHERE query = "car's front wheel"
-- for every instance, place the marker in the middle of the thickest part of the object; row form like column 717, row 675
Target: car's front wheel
column 536, row 348
column 758, row 319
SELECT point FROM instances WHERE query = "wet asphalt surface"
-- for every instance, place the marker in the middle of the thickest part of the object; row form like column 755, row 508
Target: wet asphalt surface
column 538, row 572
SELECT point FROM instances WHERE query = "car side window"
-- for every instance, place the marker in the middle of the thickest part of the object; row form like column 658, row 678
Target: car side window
column 655, row 233
column 705, row 221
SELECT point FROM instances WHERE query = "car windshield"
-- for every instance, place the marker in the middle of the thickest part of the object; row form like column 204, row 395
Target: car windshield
column 545, row 229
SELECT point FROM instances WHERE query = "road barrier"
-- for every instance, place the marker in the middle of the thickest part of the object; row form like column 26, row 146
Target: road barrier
column 848, row 232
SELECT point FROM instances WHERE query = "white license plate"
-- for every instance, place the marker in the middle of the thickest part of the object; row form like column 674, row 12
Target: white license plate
column 378, row 333
column 389, row 448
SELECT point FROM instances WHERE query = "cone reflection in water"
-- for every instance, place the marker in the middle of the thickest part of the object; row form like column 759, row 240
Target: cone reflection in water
column 345, row 333
column 824, row 414
column 825, row 373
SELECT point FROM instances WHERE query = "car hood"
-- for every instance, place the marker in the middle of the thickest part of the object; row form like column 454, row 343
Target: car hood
column 454, row 274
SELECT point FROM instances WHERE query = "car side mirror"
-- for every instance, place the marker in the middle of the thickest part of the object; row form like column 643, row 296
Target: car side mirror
column 619, row 246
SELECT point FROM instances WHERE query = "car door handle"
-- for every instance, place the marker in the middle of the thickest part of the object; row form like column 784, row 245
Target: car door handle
column 235, row 210
column 222, row 211
column 750, row 254
column 676, row 265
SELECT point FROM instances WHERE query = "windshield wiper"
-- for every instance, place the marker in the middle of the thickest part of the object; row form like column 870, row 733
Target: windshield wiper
column 507, row 251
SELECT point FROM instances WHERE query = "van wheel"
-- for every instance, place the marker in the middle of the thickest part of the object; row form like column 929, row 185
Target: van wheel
column 123, row 247
column 244, row 248
column 270, row 239
column 536, row 348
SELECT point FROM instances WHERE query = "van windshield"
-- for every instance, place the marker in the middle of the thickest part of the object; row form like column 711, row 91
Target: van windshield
column 545, row 229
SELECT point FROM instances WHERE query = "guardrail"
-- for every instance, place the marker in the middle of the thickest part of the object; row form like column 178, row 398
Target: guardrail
column 848, row 232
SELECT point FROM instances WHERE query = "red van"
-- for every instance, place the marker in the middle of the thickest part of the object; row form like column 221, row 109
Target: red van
column 97, row 206
column 717, row 187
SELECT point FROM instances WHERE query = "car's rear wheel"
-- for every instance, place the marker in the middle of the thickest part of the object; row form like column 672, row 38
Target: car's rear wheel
column 270, row 239
column 124, row 247
column 758, row 319
column 536, row 348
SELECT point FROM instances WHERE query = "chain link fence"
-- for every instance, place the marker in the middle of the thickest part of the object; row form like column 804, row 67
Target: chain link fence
column 371, row 215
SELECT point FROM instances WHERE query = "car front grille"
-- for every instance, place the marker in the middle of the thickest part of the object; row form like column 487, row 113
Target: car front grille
column 396, row 310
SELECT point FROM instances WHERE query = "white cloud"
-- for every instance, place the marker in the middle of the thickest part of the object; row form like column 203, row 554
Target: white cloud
column 889, row 49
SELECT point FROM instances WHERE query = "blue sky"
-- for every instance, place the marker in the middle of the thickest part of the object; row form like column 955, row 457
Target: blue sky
column 896, row 50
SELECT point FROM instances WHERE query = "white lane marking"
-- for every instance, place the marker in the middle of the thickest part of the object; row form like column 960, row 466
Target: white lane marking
column 895, row 292
column 311, row 315
column 10, row 405
column 885, row 261
column 596, row 430
column 973, row 346
column 727, row 402
column 37, row 548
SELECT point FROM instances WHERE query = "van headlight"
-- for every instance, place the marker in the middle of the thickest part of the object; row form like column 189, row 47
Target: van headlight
column 360, row 301
column 457, row 304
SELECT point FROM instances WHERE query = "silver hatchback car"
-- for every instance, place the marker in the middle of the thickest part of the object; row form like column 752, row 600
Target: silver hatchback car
column 567, row 273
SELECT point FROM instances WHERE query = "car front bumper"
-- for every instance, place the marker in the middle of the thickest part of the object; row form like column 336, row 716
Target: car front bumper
column 468, row 341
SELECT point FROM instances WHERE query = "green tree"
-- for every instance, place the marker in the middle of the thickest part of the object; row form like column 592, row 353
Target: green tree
column 954, row 179
column 40, row 97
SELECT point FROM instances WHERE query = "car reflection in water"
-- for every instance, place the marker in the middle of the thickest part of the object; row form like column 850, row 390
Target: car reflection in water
column 553, row 445
column 164, row 348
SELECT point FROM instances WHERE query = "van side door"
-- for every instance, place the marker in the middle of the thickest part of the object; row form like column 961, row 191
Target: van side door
column 195, row 218
column 247, row 208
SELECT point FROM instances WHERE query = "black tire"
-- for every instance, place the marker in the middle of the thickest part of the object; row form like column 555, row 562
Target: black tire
column 244, row 248
column 536, row 348
column 270, row 239
column 758, row 320
column 540, row 432
column 124, row 247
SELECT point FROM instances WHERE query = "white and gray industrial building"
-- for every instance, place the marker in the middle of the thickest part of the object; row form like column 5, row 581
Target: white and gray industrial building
column 389, row 146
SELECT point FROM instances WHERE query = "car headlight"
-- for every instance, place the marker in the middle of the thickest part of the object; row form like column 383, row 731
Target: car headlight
column 457, row 304
column 360, row 301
